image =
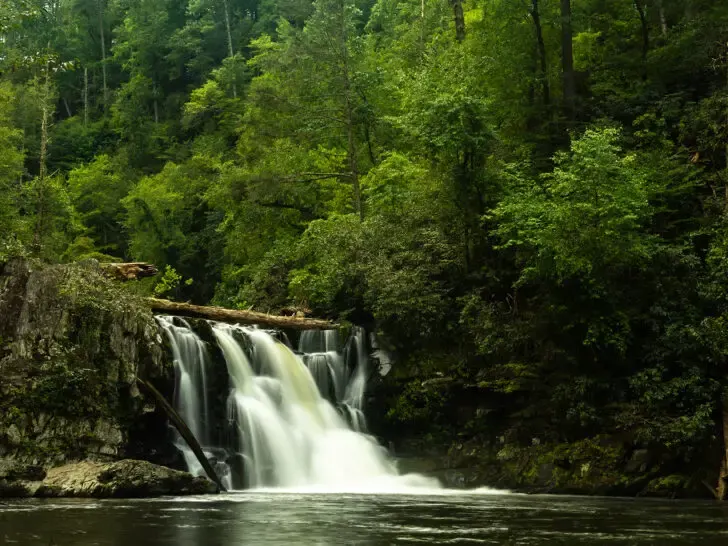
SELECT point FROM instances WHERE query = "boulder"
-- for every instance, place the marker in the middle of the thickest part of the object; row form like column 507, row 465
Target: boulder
column 126, row 478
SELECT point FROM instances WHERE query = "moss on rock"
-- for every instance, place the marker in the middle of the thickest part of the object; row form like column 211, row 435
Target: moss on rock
column 73, row 344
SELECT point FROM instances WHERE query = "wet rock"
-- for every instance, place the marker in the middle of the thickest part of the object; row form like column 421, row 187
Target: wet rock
column 639, row 461
column 126, row 478
column 72, row 343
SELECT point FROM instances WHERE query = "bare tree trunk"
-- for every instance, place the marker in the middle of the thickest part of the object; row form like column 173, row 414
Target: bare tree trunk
column 103, row 50
column 351, row 151
column 457, row 7
column 725, row 175
column 543, row 68
column 42, row 169
column 185, row 432
column 44, row 136
column 422, row 24
column 663, row 17
column 237, row 316
column 67, row 107
column 722, row 489
column 230, row 44
column 645, row 25
column 567, row 60
column 85, row 97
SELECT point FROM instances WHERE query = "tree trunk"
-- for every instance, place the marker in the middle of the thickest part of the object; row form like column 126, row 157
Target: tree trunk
column 238, row 316
column 422, row 24
column 85, row 97
column 567, row 60
column 541, row 45
column 42, row 169
column 722, row 489
column 725, row 173
column 230, row 44
column 351, row 151
column 644, row 23
column 185, row 432
column 102, row 36
column 662, row 16
column 67, row 107
column 457, row 7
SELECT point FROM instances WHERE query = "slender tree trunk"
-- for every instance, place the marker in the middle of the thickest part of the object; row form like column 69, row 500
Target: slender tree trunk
column 543, row 68
column 230, row 44
column 457, row 7
column 351, row 148
column 43, row 169
column 349, row 117
column 662, row 16
column 422, row 24
column 102, row 36
column 67, row 107
column 725, row 176
column 645, row 25
column 85, row 97
column 722, row 489
column 185, row 432
column 567, row 60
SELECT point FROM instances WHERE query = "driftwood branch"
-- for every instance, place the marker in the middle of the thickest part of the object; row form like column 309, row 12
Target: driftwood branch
column 184, row 431
column 236, row 316
column 130, row 271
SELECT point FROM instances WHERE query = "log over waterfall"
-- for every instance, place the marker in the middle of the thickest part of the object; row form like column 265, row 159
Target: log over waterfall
column 239, row 316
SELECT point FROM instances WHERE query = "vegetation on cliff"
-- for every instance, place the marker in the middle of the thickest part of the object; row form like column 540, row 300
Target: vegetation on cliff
column 527, row 198
column 74, row 343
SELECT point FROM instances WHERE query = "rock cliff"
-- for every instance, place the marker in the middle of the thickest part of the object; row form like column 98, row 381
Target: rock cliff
column 72, row 343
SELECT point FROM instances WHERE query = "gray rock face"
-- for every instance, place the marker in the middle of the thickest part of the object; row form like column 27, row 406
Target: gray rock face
column 126, row 478
column 72, row 343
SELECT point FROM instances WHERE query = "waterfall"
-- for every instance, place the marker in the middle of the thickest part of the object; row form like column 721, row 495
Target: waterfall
column 287, row 419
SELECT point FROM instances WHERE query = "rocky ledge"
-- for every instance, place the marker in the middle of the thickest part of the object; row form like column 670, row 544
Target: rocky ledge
column 126, row 478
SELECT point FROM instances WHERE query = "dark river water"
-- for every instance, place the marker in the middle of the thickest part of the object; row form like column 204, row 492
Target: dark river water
column 337, row 519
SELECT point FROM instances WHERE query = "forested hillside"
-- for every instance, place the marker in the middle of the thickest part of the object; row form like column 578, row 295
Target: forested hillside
column 526, row 196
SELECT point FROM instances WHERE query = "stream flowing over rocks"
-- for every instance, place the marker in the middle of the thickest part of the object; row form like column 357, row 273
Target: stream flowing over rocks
column 72, row 344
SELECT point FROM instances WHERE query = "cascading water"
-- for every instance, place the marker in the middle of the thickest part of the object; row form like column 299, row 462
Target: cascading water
column 191, row 394
column 292, row 420
column 340, row 375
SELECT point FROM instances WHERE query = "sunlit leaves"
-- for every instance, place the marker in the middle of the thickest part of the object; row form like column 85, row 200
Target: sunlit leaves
column 583, row 218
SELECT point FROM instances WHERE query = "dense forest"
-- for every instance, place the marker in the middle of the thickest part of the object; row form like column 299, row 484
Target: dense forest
column 527, row 196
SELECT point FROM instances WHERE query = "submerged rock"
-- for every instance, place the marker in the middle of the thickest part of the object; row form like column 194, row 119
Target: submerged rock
column 126, row 478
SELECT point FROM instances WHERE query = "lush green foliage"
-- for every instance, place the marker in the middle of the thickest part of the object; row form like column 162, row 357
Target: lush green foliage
column 563, row 230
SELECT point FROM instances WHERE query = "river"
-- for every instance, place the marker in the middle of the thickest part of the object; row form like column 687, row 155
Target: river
column 342, row 519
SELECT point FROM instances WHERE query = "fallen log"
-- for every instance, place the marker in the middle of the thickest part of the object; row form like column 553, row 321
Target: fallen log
column 185, row 432
column 237, row 316
column 130, row 271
